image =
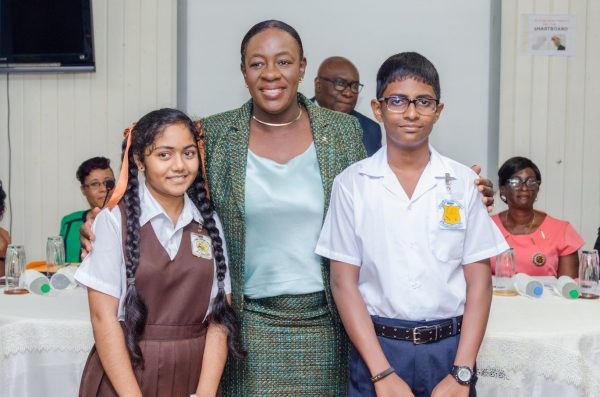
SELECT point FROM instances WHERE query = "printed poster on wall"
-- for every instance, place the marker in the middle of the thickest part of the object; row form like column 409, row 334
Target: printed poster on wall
column 551, row 35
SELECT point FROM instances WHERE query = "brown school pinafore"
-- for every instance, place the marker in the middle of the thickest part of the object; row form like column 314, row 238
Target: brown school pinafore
column 177, row 295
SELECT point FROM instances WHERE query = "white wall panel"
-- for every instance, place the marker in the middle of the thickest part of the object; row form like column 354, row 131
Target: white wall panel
column 59, row 120
column 590, row 194
column 548, row 111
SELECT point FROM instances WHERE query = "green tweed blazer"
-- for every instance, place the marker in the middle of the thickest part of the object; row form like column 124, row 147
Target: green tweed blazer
column 338, row 141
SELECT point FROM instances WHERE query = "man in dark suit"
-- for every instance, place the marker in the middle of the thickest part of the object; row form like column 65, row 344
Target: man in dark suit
column 336, row 87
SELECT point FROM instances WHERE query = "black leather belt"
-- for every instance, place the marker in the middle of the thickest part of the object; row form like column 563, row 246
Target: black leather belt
column 420, row 335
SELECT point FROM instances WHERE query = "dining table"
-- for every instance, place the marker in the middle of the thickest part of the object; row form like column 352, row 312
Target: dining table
column 546, row 347
column 44, row 343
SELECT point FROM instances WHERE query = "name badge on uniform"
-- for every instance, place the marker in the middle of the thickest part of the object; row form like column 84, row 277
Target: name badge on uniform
column 450, row 206
column 201, row 246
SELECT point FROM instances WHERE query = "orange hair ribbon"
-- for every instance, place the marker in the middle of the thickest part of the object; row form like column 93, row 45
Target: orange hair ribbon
column 121, row 186
column 198, row 125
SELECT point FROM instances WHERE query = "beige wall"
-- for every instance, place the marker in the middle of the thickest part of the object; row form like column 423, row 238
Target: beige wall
column 549, row 111
column 468, row 128
column 59, row 120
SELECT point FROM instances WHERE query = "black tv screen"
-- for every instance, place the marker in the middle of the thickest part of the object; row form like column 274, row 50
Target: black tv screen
column 46, row 35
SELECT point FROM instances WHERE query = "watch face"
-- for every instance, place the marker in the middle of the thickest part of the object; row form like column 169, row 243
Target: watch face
column 464, row 374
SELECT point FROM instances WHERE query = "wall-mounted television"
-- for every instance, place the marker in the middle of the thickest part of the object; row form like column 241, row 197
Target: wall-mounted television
column 46, row 36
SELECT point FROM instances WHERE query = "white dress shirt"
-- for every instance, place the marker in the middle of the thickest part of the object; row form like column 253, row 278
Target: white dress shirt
column 104, row 268
column 411, row 265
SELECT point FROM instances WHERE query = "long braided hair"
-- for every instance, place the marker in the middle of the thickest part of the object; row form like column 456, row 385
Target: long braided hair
column 144, row 134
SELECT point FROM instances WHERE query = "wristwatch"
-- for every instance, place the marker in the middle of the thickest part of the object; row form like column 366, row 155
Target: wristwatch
column 463, row 374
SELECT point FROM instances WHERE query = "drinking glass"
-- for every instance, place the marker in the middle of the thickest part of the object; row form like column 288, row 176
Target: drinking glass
column 55, row 253
column 589, row 273
column 14, row 268
column 505, row 270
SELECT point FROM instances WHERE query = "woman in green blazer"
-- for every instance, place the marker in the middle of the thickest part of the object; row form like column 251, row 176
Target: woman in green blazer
column 270, row 166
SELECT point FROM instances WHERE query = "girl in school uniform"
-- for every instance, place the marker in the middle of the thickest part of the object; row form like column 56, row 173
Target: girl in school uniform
column 157, row 277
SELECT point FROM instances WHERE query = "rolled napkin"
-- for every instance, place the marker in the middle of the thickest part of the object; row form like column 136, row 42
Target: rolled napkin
column 35, row 282
column 528, row 286
column 64, row 278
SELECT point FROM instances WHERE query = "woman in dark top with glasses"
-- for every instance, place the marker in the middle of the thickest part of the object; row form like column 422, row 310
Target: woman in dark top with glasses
column 544, row 245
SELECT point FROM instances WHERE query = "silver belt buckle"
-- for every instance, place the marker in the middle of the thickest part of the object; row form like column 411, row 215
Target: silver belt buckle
column 416, row 335
column 417, row 331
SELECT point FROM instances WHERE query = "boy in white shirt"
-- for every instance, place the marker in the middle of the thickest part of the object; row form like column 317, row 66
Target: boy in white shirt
column 409, row 242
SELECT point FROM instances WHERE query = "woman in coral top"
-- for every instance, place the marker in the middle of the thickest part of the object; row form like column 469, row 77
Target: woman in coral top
column 543, row 245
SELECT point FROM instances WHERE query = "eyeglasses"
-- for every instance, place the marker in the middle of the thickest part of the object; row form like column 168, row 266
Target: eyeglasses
column 96, row 185
column 516, row 183
column 341, row 84
column 399, row 104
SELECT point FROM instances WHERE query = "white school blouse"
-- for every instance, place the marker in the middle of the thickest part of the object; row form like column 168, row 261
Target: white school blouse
column 104, row 268
column 410, row 267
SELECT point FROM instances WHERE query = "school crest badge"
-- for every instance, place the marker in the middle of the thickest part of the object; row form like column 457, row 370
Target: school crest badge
column 451, row 217
column 201, row 246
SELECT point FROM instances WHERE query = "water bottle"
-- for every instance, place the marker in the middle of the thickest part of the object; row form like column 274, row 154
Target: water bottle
column 36, row 282
column 567, row 287
column 528, row 286
column 64, row 278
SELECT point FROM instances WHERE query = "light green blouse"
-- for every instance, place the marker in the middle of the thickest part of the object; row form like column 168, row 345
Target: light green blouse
column 284, row 214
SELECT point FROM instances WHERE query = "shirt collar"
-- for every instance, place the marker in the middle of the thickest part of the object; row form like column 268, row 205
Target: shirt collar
column 377, row 165
column 440, row 166
column 151, row 208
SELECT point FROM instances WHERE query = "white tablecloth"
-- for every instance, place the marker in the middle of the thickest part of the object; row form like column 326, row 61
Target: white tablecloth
column 541, row 347
column 44, row 342
column 546, row 347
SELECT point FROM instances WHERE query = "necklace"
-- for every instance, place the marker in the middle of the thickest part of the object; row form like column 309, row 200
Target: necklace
column 528, row 226
column 280, row 124
column 538, row 258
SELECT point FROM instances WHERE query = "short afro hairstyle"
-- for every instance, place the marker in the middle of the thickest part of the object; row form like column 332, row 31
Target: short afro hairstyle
column 89, row 165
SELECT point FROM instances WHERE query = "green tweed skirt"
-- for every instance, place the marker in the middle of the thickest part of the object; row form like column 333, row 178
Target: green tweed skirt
column 294, row 349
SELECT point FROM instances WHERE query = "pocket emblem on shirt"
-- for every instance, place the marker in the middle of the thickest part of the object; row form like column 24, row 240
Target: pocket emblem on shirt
column 201, row 246
column 451, row 218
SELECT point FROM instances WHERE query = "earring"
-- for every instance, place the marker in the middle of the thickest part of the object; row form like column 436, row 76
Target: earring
column 503, row 198
column 300, row 81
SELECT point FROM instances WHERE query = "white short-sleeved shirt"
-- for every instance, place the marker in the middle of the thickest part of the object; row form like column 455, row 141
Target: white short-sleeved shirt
column 104, row 268
column 411, row 258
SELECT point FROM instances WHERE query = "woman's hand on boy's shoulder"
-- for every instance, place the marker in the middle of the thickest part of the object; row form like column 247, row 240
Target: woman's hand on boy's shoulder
column 85, row 232
column 392, row 386
column 449, row 387
column 486, row 188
